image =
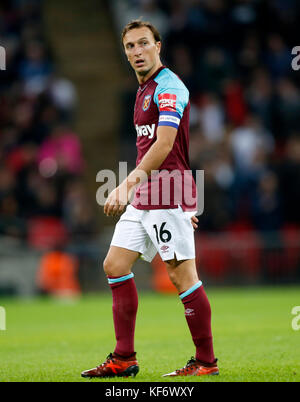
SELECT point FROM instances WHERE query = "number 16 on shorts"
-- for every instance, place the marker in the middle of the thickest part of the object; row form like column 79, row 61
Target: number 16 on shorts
column 162, row 235
column 172, row 233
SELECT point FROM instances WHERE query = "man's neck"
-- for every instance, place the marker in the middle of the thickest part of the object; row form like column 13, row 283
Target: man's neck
column 144, row 78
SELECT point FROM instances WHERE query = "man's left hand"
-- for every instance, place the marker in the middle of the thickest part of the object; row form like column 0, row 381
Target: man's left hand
column 116, row 201
column 194, row 221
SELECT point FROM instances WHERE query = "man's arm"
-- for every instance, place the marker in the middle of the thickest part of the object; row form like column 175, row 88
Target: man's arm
column 152, row 160
column 156, row 155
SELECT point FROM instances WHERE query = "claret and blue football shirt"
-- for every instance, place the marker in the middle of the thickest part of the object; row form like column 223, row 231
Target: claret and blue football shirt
column 163, row 100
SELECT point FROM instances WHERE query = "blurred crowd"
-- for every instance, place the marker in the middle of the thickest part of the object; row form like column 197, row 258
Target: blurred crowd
column 42, row 191
column 235, row 57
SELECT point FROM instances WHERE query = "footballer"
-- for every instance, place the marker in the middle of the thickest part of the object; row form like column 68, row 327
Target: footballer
column 165, row 225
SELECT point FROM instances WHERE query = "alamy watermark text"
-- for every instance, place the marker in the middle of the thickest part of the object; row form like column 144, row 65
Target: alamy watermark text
column 2, row 319
column 162, row 187
column 296, row 319
column 296, row 60
column 2, row 58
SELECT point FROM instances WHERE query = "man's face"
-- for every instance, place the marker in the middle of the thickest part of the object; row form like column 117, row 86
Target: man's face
column 142, row 51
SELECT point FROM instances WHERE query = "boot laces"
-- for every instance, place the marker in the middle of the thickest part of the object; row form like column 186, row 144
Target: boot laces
column 109, row 359
column 190, row 366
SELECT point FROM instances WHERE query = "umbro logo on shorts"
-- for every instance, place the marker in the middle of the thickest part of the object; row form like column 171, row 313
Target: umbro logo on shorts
column 165, row 249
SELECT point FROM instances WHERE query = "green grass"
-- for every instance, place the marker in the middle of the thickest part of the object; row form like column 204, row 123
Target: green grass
column 47, row 340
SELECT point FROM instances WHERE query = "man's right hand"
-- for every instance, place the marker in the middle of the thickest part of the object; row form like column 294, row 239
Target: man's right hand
column 117, row 200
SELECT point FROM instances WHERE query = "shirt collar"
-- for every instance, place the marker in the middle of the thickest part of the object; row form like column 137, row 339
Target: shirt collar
column 144, row 84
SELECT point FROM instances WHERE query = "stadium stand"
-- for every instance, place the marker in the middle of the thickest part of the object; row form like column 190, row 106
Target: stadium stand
column 235, row 58
column 44, row 202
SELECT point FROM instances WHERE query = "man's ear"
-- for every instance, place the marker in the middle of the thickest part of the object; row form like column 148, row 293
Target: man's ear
column 158, row 45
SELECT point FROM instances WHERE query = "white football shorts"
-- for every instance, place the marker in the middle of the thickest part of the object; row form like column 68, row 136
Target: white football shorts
column 166, row 231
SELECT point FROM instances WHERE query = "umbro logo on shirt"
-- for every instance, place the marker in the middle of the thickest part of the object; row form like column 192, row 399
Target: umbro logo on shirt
column 146, row 131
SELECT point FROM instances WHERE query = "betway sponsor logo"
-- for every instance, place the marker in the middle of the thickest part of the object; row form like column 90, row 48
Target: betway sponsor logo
column 146, row 131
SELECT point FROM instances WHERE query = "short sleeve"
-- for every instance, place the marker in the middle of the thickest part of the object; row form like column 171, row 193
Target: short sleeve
column 171, row 97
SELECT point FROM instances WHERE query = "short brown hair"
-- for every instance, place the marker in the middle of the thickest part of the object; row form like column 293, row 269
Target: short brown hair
column 141, row 24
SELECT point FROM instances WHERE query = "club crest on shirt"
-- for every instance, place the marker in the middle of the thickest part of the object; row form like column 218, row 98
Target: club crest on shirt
column 146, row 103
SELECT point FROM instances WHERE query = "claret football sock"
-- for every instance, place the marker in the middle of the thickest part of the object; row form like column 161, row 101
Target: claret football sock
column 125, row 304
column 125, row 358
column 198, row 316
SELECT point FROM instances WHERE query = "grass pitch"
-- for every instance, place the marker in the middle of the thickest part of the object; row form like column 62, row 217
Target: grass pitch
column 47, row 340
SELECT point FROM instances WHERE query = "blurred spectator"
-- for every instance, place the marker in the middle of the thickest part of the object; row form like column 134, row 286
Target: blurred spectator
column 64, row 96
column 287, row 108
column 214, row 217
column 284, row 16
column 266, row 207
column 35, row 69
column 10, row 224
column 212, row 118
column 215, row 27
column 249, row 54
column 57, row 275
column 22, row 116
column 61, row 152
column 244, row 15
column 78, row 213
column 178, row 17
column 183, row 65
column 21, row 157
column 214, row 68
column 260, row 97
column 234, row 102
column 7, row 182
column 249, row 143
column 290, row 180
column 47, row 202
column 46, row 232
column 278, row 57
